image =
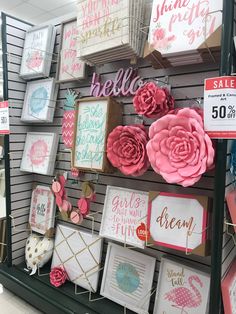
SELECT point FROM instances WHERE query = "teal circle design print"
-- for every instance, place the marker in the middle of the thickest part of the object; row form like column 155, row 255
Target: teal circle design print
column 127, row 277
column 38, row 100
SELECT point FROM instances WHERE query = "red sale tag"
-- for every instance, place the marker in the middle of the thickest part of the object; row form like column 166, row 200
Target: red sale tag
column 220, row 107
column 4, row 118
column 142, row 232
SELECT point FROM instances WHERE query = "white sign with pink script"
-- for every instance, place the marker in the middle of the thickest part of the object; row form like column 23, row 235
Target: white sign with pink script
column 183, row 25
column 70, row 67
column 124, row 210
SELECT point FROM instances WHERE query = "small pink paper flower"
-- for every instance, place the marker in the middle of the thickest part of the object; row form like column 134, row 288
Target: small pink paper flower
column 159, row 34
column 58, row 276
column 179, row 149
column 126, row 149
column 153, row 101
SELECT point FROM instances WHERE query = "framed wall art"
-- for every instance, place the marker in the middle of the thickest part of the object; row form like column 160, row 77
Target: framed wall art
column 124, row 210
column 37, row 52
column 79, row 253
column 95, row 119
column 228, row 287
column 179, row 221
column 70, row 68
column 40, row 101
column 231, row 203
column 40, row 153
column 127, row 278
column 42, row 209
column 181, row 289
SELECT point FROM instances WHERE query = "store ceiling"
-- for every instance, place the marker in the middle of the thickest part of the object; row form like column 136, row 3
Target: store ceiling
column 38, row 11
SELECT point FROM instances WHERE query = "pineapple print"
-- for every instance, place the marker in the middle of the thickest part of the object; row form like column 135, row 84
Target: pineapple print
column 68, row 120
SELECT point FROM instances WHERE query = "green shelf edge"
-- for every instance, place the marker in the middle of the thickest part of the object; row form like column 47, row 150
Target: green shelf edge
column 38, row 292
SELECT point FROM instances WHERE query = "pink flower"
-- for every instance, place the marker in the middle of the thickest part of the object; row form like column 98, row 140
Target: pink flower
column 58, row 276
column 152, row 101
column 158, row 34
column 179, row 149
column 126, row 149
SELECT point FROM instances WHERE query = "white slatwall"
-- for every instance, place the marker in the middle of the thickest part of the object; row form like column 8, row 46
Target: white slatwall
column 187, row 84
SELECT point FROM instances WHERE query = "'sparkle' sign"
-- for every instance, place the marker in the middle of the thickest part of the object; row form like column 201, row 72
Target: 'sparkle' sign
column 126, row 83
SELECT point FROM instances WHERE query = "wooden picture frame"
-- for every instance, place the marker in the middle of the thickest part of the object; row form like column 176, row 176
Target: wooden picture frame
column 124, row 210
column 127, row 278
column 112, row 118
column 181, row 287
column 179, row 221
column 42, row 209
column 228, row 287
column 37, row 52
column 80, row 74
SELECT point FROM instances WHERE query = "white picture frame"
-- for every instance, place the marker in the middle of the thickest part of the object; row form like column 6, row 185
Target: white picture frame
column 40, row 101
column 79, row 253
column 181, row 286
column 127, row 278
column 124, row 210
column 40, row 153
column 37, row 52
column 69, row 68
column 42, row 209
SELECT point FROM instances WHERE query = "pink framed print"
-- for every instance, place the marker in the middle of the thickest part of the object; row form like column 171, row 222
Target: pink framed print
column 178, row 221
column 228, row 287
column 231, row 202
column 42, row 209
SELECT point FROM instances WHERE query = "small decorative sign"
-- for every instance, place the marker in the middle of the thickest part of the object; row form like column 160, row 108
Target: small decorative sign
column 4, row 117
column 228, row 286
column 181, row 289
column 42, row 209
column 124, row 210
column 184, row 25
column 38, row 51
column 95, row 119
column 70, row 68
column 177, row 221
column 127, row 278
column 126, row 83
column 40, row 153
column 219, row 107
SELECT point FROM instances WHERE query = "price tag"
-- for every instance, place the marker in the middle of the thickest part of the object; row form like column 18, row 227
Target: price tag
column 220, row 107
column 4, row 118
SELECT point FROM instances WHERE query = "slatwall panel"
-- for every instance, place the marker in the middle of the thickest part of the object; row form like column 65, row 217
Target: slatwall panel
column 187, row 85
column 21, row 183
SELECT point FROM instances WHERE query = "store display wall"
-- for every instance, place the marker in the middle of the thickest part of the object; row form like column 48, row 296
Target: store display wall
column 187, row 85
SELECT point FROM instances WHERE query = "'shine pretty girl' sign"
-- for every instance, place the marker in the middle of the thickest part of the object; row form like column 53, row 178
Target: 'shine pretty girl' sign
column 183, row 25
column 126, row 83
column 177, row 221
column 124, row 210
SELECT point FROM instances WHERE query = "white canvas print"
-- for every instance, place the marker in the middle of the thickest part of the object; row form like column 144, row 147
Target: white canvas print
column 40, row 101
column 79, row 253
column 181, row 289
column 124, row 210
column 40, row 153
column 127, row 278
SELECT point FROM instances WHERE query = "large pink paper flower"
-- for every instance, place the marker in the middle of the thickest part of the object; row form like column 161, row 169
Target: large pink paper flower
column 58, row 276
column 126, row 149
column 153, row 101
column 179, row 149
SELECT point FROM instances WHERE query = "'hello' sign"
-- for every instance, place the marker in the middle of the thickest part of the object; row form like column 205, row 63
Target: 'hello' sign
column 126, row 83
